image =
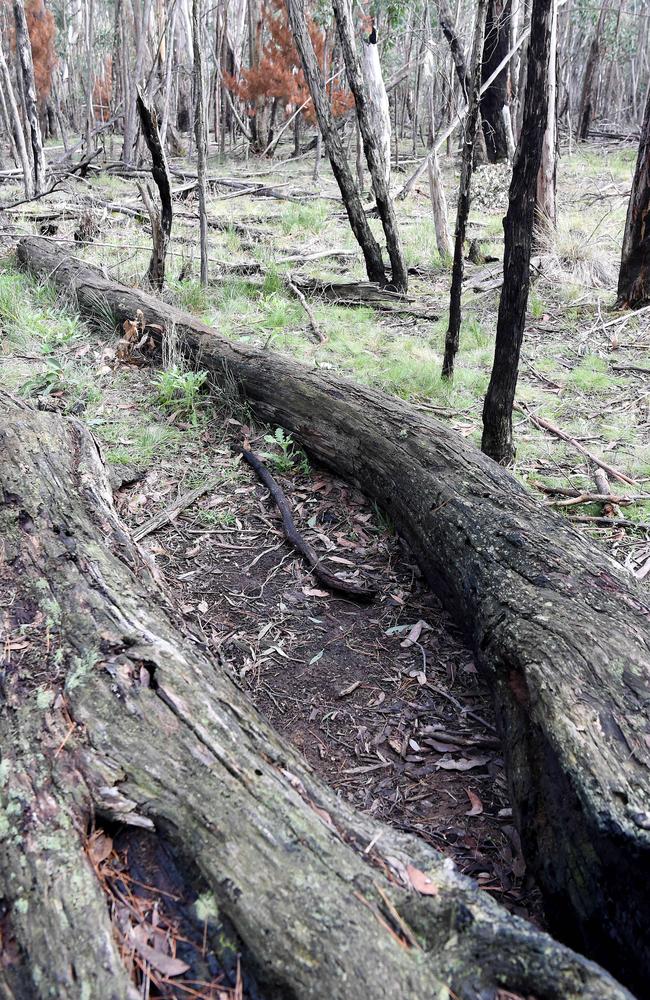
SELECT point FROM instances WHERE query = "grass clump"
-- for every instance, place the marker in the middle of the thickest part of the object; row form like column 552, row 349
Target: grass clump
column 179, row 392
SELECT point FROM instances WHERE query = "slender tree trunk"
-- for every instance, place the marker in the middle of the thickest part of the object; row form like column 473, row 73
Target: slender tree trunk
column 6, row 124
column 518, row 228
column 90, row 111
column 17, row 128
column 464, row 196
column 130, row 111
column 161, row 221
column 333, row 144
column 24, row 48
column 497, row 95
column 591, row 71
column 634, row 274
column 200, row 132
column 437, row 193
column 547, row 177
column 374, row 148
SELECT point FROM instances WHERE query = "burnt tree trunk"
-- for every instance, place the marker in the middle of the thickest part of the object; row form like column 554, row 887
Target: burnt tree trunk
column 496, row 98
column 634, row 274
column 447, row 23
column 112, row 712
column 452, row 338
column 161, row 221
column 373, row 144
column 560, row 630
column 591, row 69
column 201, row 133
column 518, row 227
column 334, row 145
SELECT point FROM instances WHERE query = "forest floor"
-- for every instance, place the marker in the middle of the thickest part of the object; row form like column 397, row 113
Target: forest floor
column 384, row 700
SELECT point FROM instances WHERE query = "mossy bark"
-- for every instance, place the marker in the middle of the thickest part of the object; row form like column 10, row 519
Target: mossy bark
column 560, row 629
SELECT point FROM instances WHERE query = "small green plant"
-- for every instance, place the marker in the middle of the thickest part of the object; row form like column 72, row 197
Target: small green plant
column 536, row 306
column 52, row 379
column 288, row 456
column 179, row 392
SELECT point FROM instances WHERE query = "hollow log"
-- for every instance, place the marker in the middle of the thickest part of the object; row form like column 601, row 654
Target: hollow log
column 560, row 629
column 111, row 710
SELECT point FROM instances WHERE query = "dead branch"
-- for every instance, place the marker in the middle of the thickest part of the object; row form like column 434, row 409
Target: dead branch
column 330, row 580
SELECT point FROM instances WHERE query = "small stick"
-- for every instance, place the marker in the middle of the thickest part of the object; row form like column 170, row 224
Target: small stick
column 315, row 329
column 546, row 425
column 171, row 513
column 330, row 580
column 611, row 522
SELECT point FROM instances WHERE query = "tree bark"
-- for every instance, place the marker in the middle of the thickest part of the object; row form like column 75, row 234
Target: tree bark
column 591, row 69
column 634, row 273
column 334, row 146
column 374, row 145
column 163, row 739
column 130, row 111
column 24, row 48
column 497, row 95
column 518, row 228
column 201, row 134
column 452, row 338
column 547, row 177
column 559, row 628
column 377, row 104
column 161, row 222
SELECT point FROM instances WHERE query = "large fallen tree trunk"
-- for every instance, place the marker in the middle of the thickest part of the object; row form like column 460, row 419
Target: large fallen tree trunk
column 561, row 630
column 111, row 711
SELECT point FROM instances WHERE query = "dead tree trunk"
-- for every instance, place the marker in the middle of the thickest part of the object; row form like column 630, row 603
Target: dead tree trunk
column 559, row 628
column 333, row 144
column 591, row 69
column 161, row 221
column 201, row 134
column 19, row 138
column 452, row 337
column 24, row 48
column 447, row 24
column 518, row 227
column 497, row 96
column 634, row 274
column 547, row 177
column 374, row 146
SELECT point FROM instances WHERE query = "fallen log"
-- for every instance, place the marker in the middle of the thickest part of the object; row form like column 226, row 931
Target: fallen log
column 560, row 629
column 113, row 713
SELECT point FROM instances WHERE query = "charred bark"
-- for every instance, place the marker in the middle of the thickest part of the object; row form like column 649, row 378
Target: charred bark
column 634, row 273
column 161, row 221
column 452, row 338
column 518, row 228
column 559, row 628
column 497, row 95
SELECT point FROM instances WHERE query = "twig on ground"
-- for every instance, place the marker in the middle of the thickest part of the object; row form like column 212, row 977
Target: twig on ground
column 315, row 329
column 171, row 513
column 546, row 425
